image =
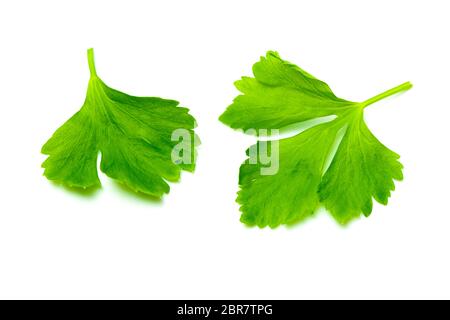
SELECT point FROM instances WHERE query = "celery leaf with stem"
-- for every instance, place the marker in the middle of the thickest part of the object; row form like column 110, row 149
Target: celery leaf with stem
column 281, row 94
column 132, row 134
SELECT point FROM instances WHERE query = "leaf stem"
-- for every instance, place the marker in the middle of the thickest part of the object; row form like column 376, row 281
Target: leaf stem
column 91, row 62
column 403, row 87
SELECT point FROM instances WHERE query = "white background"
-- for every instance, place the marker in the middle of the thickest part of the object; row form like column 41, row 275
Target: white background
column 58, row 244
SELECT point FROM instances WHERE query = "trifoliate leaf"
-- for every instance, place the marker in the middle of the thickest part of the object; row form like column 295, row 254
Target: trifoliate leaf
column 362, row 168
column 134, row 135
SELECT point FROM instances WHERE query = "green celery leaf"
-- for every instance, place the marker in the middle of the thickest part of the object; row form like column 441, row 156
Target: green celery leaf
column 132, row 134
column 362, row 168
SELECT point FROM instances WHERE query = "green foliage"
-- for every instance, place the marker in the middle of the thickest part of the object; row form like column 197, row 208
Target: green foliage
column 282, row 94
column 133, row 135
